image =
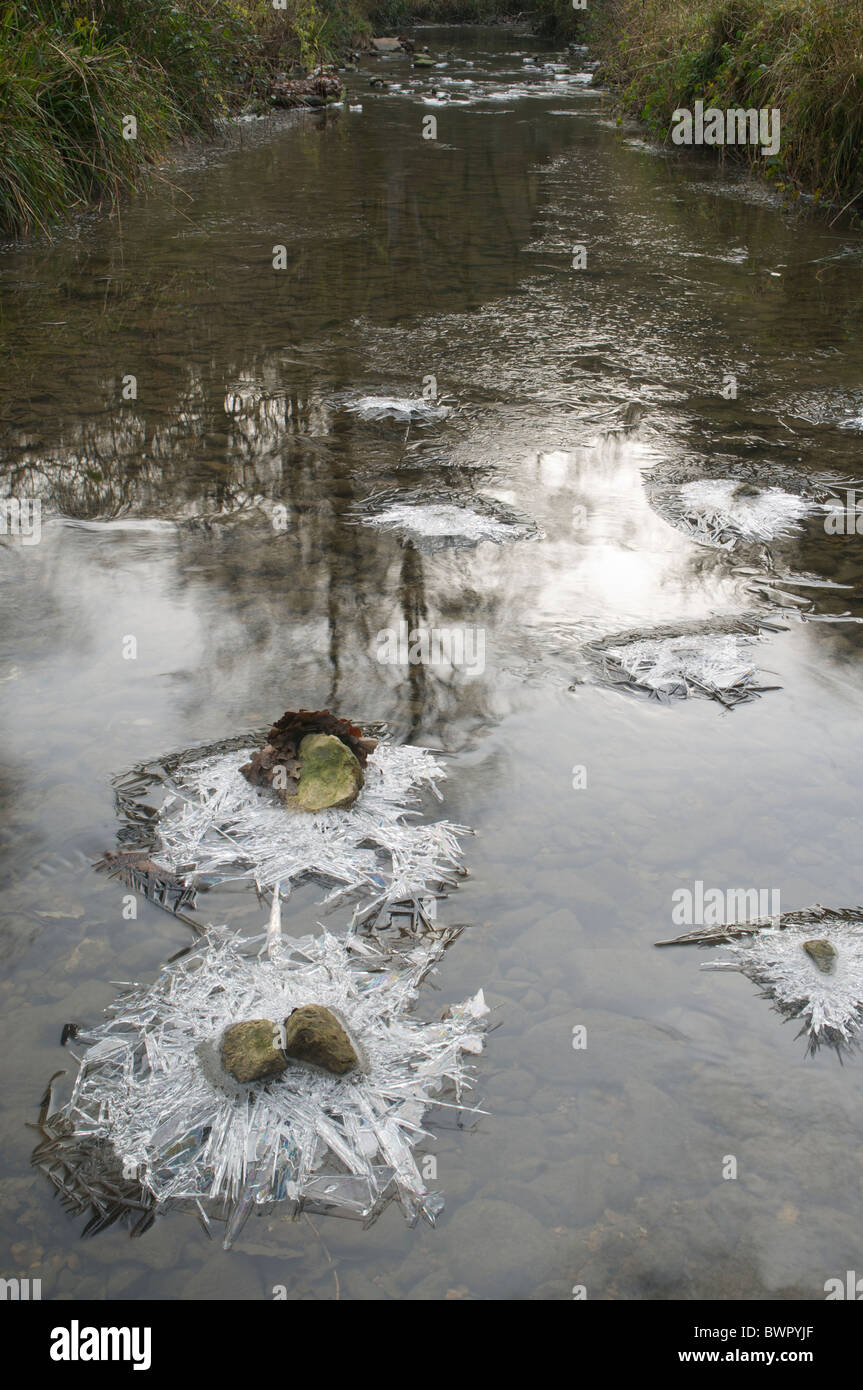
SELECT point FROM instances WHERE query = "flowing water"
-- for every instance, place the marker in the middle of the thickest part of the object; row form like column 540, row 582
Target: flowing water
column 219, row 518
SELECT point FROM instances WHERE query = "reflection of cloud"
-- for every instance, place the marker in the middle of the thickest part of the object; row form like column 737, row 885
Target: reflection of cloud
column 609, row 560
column 242, row 608
column 553, row 469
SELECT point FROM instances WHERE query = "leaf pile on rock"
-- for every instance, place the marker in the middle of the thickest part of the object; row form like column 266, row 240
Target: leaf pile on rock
column 315, row 90
column 313, row 759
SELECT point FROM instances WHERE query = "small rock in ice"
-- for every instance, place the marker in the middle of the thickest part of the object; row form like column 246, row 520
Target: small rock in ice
column 314, row 1034
column 330, row 775
column 146, row 1095
column 248, row 1051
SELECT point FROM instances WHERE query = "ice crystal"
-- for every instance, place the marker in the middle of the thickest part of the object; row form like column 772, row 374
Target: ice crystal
column 771, row 952
column 150, row 1086
column 213, row 824
column 399, row 408
column 713, row 664
column 719, row 512
column 436, row 523
column 447, row 522
column 830, row 1006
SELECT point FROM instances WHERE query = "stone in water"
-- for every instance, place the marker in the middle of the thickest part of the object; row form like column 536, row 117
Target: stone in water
column 314, row 1034
column 250, row 1051
column 330, row 774
column 822, row 954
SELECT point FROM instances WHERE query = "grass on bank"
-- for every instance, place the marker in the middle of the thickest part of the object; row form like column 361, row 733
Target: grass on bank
column 71, row 70
column 804, row 57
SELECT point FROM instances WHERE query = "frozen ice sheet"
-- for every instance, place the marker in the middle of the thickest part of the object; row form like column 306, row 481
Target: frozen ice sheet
column 673, row 663
column 712, row 511
column 709, row 663
column 447, row 522
column 401, row 408
column 435, row 522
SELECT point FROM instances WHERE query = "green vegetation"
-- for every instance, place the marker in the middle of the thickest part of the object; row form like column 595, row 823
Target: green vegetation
column 556, row 19
column 389, row 15
column 71, row 70
column 804, row 57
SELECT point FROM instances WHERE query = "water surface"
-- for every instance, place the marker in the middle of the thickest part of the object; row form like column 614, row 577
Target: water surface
column 408, row 258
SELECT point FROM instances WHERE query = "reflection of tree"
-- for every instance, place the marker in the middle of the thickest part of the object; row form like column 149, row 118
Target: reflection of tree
column 239, row 369
column 415, row 613
column 234, row 360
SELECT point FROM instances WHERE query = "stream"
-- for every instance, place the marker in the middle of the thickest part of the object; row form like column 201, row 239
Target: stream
column 253, row 515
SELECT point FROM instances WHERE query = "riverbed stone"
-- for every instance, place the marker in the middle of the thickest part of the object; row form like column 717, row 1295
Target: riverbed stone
column 497, row 1248
column 250, row 1051
column 387, row 45
column 330, row 775
column 822, row 954
column 314, row 1034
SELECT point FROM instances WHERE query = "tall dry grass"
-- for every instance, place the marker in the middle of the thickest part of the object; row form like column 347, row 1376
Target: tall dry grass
column 804, row 57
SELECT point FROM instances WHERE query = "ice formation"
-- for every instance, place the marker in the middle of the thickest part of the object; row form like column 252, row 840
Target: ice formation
column 150, row 1089
column 399, row 408
column 447, row 522
column 722, row 511
column 712, row 664
column 213, row 824
column 772, row 953
column 440, row 521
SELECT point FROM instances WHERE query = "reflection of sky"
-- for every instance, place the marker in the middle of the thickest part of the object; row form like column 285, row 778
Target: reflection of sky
column 609, row 559
column 222, row 619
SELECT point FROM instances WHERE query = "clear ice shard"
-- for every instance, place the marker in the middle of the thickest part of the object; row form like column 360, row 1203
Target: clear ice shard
column 722, row 512
column 675, row 664
column 149, row 1091
column 214, row 824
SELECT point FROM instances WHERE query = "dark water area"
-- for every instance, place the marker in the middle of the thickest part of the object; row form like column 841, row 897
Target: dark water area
column 217, row 519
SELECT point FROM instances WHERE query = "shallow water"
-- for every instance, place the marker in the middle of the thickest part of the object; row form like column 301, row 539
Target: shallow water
column 409, row 258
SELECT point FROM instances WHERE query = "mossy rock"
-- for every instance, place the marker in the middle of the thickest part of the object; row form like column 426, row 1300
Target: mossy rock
column 250, row 1051
column 314, row 1034
column 422, row 60
column 747, row 490
column 822, row 954
column 330, row 774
